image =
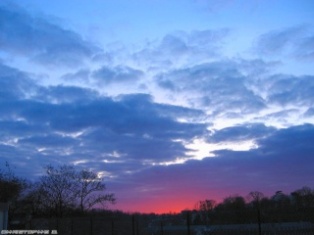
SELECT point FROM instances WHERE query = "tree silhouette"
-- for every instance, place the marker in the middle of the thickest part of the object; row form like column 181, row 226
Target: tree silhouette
column 10, row 185
column 63, row 189
column 90, row 190
column 57, row 189
column 256, row 200
column 205, row 209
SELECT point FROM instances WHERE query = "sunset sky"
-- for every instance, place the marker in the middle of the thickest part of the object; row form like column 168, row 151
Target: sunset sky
column 171, row 101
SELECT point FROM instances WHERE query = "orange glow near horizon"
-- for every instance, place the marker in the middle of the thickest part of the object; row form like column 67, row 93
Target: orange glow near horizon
column 162, row 205
column 157, row 207
column 171, row 202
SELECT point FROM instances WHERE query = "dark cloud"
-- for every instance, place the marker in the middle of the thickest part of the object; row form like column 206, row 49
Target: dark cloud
column 65, row 94
column 118, row 74
column 280, row 151
column 47, row 140
column 133, row 147
column 39, row 39
column 68, row 123
column 241, row 132
column 12, row 129
column 134, row 127
column 14, row 84
column 290, row 142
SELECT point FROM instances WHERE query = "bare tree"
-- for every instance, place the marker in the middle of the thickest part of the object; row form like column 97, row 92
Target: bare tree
column 63, row 189
column 256, row 198
column 57, row 189
column 90, row 190
column 205, row 208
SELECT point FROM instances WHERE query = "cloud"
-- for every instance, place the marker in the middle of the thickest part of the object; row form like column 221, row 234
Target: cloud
column 297, row 42
column 305, row 50
column 119, row 74
column 50, row 141
column 68, row 123
column 241, row 132
column 290, row 142
column 82, row 76
column 240, row 90
column 290, row 90
column 219, row 85
column 65, row 94
column 309, row 112
column 14, row 84
column 39, row 39
column 279, row 152
column 181, row 48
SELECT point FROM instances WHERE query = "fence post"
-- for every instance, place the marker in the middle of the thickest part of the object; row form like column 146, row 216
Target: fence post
column 133, row 225
column 188, row 223
column 71, row 226
column 259, row 220
column 162, row 227
column 137, row 233
column 112, row 227
column 30, row 224
column 91, row 225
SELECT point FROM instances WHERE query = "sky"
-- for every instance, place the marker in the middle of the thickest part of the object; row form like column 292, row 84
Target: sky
column 171, row 102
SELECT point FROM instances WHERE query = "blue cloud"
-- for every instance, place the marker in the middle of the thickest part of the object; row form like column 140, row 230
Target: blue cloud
column 65, row 94
column 242, row 132
column 70, row 122
column 39, row 39
column 182, row 47
column 290, row 142
column 118, row 74
column 309, row 112
column 14, row 84
column 297, row 42
column 288, row 89
column 220, row 85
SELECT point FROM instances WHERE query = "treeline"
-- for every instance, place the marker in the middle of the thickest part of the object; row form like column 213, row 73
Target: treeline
column 61, row 191
column 255, row 207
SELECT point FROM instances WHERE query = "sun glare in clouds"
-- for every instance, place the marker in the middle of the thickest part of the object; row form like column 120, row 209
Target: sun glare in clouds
column 202, row 149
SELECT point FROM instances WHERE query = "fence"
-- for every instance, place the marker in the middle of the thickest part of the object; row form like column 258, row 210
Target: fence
column 87, row 226
column 133, row 225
